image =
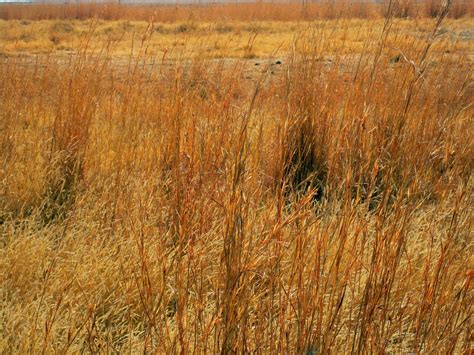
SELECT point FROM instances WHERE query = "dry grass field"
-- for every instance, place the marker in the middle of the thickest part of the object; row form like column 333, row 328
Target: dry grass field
column 240, row 179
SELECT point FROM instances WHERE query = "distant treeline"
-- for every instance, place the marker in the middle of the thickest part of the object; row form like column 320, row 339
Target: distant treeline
column 235, row 10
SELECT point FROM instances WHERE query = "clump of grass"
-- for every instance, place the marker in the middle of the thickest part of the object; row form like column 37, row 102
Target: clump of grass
column 187, row 27
column 73, row 115
column 305, row 164
column 161, row 28
column 223, row 28
column 62, row 27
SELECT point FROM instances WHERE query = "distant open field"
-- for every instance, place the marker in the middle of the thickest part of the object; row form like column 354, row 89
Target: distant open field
column 224, row 39
column 256, row 178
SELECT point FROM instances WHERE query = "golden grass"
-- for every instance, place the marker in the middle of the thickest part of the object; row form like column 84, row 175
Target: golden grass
column 155, row 203
column 215, row 40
